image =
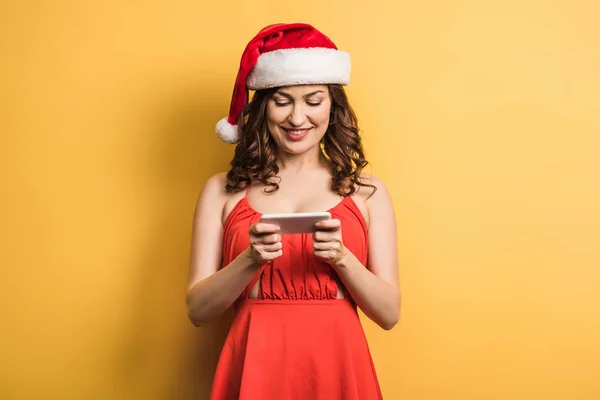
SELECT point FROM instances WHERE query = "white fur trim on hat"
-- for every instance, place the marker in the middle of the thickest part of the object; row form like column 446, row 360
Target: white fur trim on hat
column 227, row 132
column 300, row 66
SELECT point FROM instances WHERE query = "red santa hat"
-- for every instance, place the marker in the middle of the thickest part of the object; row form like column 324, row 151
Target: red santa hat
column 283, row 55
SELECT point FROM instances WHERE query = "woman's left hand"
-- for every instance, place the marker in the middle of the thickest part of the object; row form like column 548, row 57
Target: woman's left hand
column 327, row 241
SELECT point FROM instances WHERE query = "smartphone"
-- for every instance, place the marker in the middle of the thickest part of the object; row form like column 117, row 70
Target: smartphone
column 295, row 222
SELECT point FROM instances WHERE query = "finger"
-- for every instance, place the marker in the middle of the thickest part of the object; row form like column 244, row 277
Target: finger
column 324, row 236
column 262, row 256
column 326, row 254
column 267, row 239
column 269, row 248
column 276, row 254
column 271, row 255
column 322, row 246
column 328, row 224
column 261, row 228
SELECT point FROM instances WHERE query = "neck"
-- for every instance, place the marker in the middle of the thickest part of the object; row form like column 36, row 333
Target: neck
column 310, row 160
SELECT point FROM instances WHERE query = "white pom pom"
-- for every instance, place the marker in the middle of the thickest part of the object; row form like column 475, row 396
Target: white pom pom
column 227, row 132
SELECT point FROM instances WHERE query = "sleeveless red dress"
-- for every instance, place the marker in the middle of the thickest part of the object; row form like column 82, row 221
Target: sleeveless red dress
column 296, row 341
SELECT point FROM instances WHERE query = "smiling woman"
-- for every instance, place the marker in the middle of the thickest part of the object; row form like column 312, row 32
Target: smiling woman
column 296, row 332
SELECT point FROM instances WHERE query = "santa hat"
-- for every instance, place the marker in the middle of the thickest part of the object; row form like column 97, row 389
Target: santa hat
column 283, row 55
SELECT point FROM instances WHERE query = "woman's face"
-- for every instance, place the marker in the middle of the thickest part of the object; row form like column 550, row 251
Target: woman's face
column 298, row 117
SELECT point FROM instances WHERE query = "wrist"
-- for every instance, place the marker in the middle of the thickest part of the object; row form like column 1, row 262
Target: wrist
column 249, row 260
column 344, row 260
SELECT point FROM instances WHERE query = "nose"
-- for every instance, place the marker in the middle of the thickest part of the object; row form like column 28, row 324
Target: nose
column 296, row 117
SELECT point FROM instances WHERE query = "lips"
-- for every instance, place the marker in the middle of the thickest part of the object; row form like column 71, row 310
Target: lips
column 296, row 134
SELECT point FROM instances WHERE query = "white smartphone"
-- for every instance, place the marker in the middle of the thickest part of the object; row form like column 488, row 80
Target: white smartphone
column 296, row 222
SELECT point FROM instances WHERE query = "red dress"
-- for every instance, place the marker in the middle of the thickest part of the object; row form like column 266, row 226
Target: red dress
column 296, row 341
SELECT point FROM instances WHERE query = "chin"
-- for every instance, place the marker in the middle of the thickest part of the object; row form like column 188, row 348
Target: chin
column 298, row 148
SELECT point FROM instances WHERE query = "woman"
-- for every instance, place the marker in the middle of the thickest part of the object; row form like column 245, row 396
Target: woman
column 296, row 333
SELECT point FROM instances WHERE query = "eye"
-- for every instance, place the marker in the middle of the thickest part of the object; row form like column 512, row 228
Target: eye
column 281, row 104
column 314, row 104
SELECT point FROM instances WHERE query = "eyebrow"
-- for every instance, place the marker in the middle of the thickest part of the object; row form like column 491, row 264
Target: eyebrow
column 305, row 96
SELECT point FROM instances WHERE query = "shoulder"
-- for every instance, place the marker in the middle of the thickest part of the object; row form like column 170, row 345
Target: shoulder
column 214, row 198
column 376, row 189
column 372, row 180
column 213, row 193
column 221, row 200
column 372, row 195
column 215, row 185
column 376, row 196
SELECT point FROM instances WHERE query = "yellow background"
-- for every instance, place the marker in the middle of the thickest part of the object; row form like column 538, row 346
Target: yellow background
column 481, row 116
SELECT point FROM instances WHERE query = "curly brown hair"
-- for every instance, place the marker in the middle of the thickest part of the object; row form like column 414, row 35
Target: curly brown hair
column 254, row 158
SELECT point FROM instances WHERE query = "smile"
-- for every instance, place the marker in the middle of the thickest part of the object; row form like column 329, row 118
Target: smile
column 296, row 134
column 297, row 131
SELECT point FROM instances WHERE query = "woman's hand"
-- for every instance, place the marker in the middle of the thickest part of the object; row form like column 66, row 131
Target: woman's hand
column 328, row 243
column 265, row 243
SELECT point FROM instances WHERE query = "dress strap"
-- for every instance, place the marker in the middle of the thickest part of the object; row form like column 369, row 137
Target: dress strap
column 248, row 189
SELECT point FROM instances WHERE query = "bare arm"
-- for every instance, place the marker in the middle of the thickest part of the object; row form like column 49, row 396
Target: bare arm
column 375, row 289
column 211, row 289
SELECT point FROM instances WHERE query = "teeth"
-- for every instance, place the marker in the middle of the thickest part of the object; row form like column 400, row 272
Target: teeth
column 297, row 131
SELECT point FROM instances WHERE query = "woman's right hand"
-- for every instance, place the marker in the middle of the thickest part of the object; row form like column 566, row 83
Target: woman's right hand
column 265, row 243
